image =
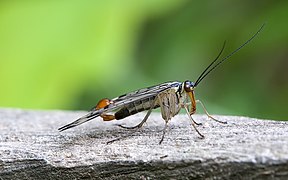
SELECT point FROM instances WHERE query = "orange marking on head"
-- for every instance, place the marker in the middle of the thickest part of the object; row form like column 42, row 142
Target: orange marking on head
column 103, row 103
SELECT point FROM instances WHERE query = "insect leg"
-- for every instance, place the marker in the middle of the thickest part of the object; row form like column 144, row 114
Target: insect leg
column 134, row 127
column 131, row 134
column 209, row 116
column 145, row 118
column 138, row 128
column 187, row 104
column 192, row 121
column 198, row 124
column 164, row 131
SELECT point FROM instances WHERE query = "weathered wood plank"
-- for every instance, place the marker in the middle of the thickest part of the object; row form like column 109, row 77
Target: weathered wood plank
column 31, row 147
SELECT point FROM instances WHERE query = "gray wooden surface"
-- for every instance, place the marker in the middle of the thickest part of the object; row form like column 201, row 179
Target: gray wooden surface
column 32, row 148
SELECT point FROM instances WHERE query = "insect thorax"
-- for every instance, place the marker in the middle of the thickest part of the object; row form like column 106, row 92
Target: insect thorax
column 170, row 102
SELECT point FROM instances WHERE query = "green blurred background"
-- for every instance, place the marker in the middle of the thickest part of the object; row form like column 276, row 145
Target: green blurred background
column 69, row 54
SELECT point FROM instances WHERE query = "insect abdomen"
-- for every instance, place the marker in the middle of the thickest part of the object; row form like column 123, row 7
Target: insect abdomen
column 135, row 107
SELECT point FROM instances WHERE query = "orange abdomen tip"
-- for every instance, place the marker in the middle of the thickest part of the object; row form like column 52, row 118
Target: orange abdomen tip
column 103, row 103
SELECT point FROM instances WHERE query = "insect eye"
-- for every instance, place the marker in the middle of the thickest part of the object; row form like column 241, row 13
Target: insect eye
column 188, row 86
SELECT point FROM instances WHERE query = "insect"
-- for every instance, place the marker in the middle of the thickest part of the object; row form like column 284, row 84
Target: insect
column 170, row 97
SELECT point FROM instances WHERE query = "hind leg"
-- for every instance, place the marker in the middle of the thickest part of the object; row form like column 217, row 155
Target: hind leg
column 141, row 123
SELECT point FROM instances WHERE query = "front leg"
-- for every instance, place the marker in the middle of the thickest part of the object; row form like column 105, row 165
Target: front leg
column 209, row 116
column 186, row 106
column 192, row 120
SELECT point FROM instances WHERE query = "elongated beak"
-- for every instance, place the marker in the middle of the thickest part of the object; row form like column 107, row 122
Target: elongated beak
column 193, row 102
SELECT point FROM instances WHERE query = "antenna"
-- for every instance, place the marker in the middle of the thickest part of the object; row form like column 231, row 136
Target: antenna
column 207, row 70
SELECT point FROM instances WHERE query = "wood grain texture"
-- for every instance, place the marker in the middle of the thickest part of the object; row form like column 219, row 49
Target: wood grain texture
column 32, row 148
